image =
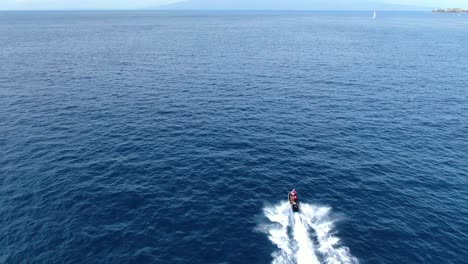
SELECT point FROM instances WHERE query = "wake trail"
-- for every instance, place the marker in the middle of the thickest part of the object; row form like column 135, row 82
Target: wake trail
column 305, row 249
column 305, row 237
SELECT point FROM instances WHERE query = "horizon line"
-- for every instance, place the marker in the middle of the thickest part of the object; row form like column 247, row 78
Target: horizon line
column 256, row 10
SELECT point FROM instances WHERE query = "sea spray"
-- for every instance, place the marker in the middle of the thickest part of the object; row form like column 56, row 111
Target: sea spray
column 305, row 237
column 305, row 247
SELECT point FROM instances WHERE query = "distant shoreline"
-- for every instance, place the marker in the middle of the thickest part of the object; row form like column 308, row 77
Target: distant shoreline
column 206, row 10
column 450, row 10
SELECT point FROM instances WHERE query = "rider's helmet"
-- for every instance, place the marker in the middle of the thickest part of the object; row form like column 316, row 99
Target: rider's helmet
column 293, row 192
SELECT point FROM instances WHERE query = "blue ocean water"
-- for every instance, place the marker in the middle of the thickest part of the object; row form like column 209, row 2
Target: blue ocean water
column 174, row 137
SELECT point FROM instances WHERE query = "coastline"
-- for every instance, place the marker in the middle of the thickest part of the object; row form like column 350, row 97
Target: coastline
column 450, row 10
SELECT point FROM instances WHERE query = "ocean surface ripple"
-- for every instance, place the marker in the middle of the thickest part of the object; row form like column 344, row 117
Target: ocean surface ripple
column 174, row 137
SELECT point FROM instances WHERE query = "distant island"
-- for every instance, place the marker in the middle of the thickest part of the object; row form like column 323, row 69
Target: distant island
column 451, row 10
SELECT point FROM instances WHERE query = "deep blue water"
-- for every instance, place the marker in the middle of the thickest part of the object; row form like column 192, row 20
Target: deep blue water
column 173, row 137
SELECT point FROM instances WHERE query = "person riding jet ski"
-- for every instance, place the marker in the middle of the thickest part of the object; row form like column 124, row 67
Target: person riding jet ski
column 294, row 196
column 294, row 200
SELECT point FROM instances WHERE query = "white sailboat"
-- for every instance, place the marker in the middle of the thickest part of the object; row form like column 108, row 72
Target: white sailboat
column 375, row 15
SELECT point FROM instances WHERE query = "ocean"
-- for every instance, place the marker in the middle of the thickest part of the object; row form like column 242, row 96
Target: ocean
column 174, row 137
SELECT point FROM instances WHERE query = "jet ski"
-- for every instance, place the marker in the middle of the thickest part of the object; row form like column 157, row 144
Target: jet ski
column 293, row 202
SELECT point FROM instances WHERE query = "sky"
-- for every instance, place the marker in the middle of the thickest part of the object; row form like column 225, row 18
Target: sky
column 141, row 4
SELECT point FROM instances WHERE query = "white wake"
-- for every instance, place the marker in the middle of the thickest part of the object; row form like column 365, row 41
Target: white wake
column 305, row 237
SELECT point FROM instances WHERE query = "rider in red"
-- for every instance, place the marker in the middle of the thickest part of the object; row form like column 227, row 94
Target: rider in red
column 294, row 195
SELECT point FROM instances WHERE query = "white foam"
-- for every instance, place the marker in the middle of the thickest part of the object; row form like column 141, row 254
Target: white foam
column 305, row 247
column 293, row 235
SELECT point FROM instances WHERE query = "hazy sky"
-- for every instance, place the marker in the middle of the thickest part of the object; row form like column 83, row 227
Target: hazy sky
column 135, row 4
